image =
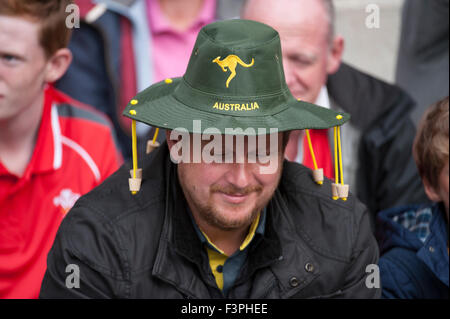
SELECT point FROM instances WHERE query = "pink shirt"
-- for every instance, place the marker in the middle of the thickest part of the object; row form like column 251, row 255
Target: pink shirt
column 171, row 48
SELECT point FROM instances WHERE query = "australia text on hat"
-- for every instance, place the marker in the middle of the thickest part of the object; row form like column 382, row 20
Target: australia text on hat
column 236, row 106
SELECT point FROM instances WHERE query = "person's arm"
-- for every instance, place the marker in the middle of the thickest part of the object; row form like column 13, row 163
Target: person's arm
column 390, row 174
column 85, row 260
column 397, row 274
column 424, row 29
column 365, row 252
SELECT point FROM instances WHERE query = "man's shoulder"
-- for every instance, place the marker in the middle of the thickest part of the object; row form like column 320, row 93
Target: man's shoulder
column 109, row 226
column 404, row 275
column 85, row 131
column 79, row 113
column 366, row 97
column 113, row 199
column 330, row 226
column 298, row 180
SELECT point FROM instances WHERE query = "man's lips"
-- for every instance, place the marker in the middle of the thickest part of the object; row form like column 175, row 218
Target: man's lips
column 234, row 198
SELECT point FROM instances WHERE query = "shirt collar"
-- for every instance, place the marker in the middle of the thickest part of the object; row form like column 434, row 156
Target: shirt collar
column 159, row 23
column 323, row 99
column 257, row 227
column 48, row 151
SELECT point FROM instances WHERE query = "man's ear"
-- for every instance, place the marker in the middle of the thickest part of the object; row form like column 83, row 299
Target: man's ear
column 57, row 65
column 431, row 192
column 335, row 54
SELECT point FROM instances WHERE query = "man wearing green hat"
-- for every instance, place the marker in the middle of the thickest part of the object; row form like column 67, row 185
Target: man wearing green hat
column 217, row 213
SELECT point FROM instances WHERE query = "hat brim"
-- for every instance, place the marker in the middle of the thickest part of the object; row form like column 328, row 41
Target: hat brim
column 157, row 106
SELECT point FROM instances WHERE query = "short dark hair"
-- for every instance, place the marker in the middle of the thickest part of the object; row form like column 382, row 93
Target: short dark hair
column 51, row 14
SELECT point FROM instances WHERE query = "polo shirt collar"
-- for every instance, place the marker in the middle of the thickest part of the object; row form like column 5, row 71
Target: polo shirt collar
column 48, row 150
column 257, row 227
column 159, row 24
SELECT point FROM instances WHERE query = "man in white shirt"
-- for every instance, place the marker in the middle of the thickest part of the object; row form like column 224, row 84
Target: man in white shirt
column 377, row 141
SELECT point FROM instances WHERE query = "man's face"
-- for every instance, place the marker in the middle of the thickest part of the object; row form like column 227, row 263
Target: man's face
column 228, row 196
column 22, row 65
column 304, row 31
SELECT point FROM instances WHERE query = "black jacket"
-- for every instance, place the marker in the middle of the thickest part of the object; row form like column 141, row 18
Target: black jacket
column 145, row 246
column 387, row 175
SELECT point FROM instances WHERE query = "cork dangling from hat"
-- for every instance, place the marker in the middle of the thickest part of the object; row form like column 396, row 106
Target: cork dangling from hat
column 136, row 174
column 338, row 188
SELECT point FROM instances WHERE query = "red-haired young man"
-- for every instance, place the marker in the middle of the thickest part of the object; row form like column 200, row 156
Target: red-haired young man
column 52, row 149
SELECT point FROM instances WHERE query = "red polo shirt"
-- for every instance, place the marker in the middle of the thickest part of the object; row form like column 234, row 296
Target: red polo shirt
column 75, row 151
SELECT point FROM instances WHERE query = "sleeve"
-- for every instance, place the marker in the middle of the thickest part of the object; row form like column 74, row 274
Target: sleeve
column 388, row 175
column 423, row 54
column 401, row 183
column 365, row 253
column 424, row 28
column 397, row 280
column 85, row 260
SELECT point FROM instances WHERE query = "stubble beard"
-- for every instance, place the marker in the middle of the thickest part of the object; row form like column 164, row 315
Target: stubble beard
column 217, row 218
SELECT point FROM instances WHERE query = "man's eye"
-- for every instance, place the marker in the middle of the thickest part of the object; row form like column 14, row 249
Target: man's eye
column 9, row 59
column 302, row 61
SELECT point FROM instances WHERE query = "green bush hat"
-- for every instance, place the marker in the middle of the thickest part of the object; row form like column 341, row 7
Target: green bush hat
column 234, row 79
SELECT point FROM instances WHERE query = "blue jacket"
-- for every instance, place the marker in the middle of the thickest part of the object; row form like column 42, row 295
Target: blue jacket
column 413, row 248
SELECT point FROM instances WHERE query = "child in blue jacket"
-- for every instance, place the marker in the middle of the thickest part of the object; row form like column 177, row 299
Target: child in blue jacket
column 414, row 239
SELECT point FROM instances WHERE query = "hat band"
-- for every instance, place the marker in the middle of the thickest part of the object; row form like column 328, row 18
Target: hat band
column 252, row 106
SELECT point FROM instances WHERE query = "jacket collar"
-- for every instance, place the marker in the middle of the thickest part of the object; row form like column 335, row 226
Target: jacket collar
column 434, row 251
column 180, row 250
column 181, row 255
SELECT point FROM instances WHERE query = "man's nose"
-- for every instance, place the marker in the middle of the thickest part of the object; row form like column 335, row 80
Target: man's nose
column 239, row 175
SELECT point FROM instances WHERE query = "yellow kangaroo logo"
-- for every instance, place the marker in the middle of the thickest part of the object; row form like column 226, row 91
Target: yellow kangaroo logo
column 231, row 62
